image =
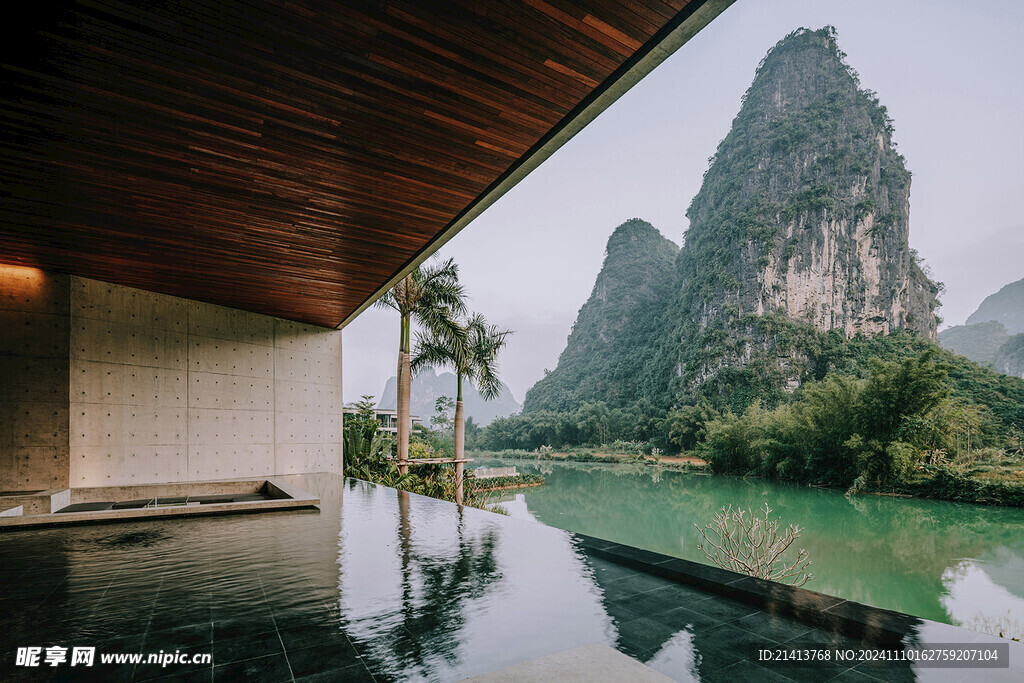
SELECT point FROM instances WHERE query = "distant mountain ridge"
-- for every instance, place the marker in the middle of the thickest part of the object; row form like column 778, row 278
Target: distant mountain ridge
column 1005, row 306
column 994, row 334
column 428, row 386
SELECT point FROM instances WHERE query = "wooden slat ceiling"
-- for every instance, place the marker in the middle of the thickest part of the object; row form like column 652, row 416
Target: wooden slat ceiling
column 282, row 156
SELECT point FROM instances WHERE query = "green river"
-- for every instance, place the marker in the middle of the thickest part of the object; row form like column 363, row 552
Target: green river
column 934, row 559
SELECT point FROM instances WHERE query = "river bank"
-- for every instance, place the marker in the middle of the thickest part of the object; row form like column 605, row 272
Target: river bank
column 981, row 484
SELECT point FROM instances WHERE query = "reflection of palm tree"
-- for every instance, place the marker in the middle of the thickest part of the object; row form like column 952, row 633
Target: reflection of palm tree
column 431, row 295
column 434, row 594
column 472, row 355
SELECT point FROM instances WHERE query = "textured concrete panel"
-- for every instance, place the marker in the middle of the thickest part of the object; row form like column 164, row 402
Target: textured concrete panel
column 146, row 464
column 294, row 458
column 156, row 386
column 215, row 426
column 111, row 303
column 33, row 291
column 97, row 424
column 306, row 338
column 301, row 427
column 93, row 382
column 32, row 468
column 206, row 354
column 21, row 380
column 209, row 390
column 34, row 335
column 294, row 396
column 226, row 462
column 39, row 424
column 217, row 322
column 110, row 342
column 97, row 465
column 155, row 425
column 297, row 366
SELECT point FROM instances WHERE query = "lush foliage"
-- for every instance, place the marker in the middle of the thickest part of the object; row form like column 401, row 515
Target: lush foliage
column 431, row 296
column 842, row 431
column 369, row 455
column 1010, row 357
column 591, row 424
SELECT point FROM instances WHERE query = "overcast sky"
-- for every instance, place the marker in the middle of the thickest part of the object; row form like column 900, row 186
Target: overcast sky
column 950, row 73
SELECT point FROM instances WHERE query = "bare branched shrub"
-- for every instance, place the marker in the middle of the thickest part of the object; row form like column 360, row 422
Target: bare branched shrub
column 750, row 543
column 1004, row 627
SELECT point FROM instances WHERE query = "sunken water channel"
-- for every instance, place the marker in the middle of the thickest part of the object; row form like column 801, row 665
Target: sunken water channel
column 934, row 559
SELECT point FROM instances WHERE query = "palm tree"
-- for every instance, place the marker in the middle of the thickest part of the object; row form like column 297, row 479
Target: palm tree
column 472, row 355
column 432, row 296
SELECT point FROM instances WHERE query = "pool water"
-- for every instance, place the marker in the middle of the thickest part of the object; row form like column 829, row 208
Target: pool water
column 375, row 585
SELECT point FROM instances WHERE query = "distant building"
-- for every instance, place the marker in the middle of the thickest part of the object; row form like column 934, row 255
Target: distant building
column 388, row 419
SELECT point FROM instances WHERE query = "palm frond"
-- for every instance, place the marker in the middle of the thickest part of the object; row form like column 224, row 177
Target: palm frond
column 430, row 352
column 485, row 342
column 387, row 300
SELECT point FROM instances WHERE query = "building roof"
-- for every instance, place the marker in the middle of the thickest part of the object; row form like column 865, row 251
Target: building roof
column 293, row 158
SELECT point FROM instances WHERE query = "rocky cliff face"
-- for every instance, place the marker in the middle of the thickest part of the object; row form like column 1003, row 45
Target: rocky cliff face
column 613, row 338
column 804, row 214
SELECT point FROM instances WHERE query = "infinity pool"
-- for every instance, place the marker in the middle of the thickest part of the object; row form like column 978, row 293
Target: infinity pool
column 376, row 585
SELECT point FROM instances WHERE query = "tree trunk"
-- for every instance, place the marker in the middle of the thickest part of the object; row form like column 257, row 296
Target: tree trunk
column 460, row 437
column 404, row 396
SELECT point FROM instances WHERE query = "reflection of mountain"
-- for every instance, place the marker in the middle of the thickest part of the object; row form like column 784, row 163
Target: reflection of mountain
column 1005, row 566
column 973, row 589
column 428, row 386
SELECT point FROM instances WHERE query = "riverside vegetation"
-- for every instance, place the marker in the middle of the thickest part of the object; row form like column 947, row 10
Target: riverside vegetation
column 370, row 455
column 793, row 336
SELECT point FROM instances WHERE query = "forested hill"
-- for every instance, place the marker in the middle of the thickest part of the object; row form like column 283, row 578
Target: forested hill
column 615, row 331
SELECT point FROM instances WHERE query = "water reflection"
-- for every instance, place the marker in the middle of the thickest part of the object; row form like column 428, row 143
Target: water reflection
column 434, row 592
column 893, row 553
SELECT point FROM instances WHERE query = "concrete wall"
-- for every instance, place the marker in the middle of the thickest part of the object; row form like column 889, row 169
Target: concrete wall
column 33, row 379
column 103, row 385
column 165, row 389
